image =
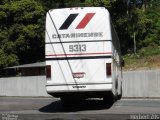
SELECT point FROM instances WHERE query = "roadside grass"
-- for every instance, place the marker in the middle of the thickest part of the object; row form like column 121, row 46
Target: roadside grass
column 137, row 62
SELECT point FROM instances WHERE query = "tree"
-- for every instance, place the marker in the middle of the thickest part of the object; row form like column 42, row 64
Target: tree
column 21, row 31
column 153, row 36
column 22, row 25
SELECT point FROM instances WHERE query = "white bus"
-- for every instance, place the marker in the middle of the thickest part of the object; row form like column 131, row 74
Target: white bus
column 82, row 53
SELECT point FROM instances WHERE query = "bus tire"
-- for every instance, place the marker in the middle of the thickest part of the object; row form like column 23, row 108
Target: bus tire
column 109, row 99
column 66, row 102
column 120, row 95
column 70, row 101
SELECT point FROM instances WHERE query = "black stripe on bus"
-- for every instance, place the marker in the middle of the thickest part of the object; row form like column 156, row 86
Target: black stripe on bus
column 68, row 21
column 78, row 41
column 77, row 58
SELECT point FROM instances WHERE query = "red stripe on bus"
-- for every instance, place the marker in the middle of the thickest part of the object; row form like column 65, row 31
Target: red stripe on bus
column 100, row 53
column 85, row 20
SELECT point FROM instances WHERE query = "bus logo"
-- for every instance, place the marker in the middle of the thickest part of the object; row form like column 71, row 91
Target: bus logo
column 83, row 23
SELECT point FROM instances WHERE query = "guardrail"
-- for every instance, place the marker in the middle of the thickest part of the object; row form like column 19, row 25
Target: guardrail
column 23, row 86
column 144, row 84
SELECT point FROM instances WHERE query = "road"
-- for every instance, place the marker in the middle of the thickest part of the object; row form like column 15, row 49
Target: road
column 25, row 108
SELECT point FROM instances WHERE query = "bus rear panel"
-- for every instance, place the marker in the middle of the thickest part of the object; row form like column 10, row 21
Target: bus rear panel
column 80, row 54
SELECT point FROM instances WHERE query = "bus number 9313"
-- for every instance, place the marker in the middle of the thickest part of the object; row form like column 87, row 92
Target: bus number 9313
column 77, row 48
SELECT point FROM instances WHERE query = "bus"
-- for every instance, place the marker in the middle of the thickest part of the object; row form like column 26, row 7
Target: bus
column 82, row 55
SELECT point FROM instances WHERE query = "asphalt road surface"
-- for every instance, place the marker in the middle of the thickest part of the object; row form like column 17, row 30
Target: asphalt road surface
column 24, row 108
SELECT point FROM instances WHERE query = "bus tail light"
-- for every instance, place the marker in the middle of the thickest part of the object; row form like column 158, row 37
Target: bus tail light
column 108, row 69
column 48, row 71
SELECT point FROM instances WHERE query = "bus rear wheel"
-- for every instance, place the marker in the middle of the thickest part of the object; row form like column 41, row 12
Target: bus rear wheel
column 71, row 101
column 109, row 99
column 66, row 102
column 120, row 95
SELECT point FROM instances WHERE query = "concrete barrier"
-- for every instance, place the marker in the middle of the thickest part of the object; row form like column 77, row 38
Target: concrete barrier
column 23, row 86
column 145, row 84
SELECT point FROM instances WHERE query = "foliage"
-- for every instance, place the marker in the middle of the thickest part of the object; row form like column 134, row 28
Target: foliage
column 22, row 26
column 137, row 62
column 21, row 32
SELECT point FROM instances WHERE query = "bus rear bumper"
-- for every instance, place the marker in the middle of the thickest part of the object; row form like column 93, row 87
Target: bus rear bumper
column 92, row 90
